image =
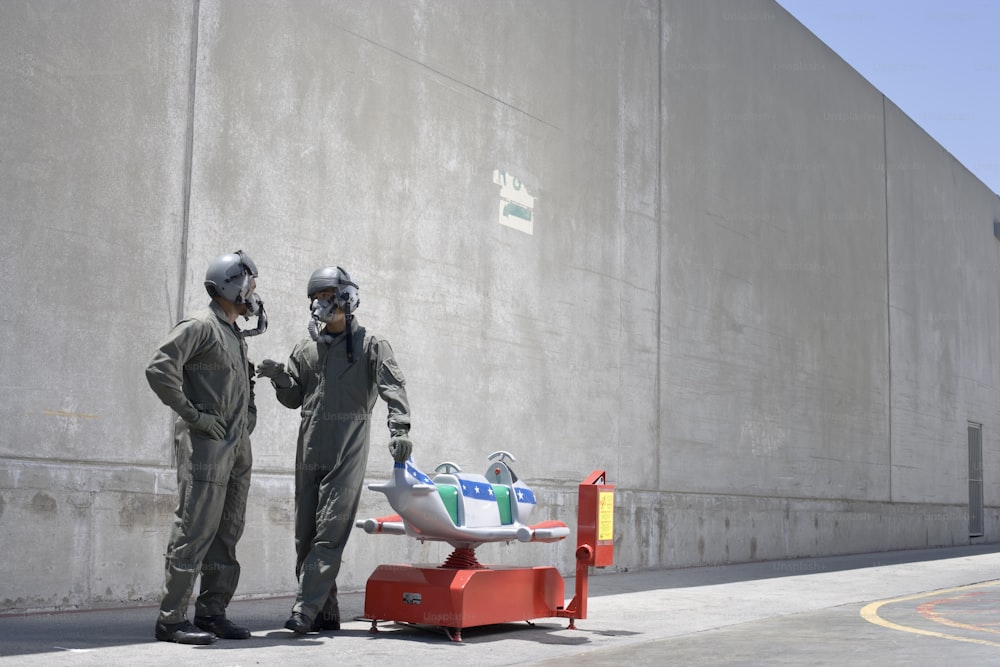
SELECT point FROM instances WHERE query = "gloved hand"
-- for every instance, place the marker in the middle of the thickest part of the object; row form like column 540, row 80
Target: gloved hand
column 276, row 372
column 251, row 421
column 400, row 447
column 213, row 426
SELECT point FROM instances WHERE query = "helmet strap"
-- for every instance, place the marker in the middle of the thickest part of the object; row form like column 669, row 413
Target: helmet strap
column 350, row 337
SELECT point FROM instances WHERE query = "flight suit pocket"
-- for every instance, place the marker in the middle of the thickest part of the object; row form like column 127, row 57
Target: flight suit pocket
column 211, row 460
column 392, row 368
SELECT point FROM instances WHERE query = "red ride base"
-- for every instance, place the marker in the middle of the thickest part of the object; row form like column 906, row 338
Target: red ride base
column 462, row 598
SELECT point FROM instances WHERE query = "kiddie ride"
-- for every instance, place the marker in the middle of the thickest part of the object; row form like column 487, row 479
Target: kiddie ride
column 467, row 510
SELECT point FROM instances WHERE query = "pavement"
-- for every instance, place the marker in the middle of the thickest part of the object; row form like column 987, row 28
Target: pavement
column 919, row 607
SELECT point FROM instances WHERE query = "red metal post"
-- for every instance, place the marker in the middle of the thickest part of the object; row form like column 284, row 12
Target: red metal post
column 595, row 544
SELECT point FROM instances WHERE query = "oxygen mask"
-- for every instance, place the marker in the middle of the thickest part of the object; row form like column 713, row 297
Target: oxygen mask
column 255, row 307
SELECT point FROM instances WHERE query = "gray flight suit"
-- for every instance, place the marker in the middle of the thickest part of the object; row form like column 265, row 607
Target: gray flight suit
column 336, row 400
column 202, row 366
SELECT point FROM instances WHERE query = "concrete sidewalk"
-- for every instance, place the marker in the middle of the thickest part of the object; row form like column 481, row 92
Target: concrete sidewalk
column 845, row 610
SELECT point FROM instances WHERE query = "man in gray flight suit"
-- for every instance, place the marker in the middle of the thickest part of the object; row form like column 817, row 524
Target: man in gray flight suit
column 335, row 377
column 201, row 371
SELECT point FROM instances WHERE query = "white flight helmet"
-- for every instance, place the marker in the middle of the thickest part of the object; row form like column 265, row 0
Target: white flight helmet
column 231, row 277
column 345, row 294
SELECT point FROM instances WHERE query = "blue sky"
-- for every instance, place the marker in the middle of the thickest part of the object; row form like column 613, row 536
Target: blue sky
column 938, row 61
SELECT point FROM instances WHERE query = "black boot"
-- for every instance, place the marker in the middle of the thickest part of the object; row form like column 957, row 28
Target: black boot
column 298, row 623
column 222, row 627
column 328, row 621
column 183, row 633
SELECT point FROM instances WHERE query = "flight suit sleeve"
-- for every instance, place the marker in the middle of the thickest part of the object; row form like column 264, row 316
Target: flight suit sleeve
column 252, row 403
column 165, row 371
column 391, row 386
column 291, row 397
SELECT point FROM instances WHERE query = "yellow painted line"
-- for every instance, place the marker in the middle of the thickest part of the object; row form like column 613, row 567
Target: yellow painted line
column 63, row 413
column 870, row 613
column 929, row 611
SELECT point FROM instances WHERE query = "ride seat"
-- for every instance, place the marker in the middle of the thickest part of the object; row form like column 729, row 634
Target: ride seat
column 503, row 498
column 449, row 488
column 450, row 493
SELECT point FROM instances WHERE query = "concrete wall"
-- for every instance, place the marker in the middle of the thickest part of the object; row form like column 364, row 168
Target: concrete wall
column 773, row 303
column 751, row 289
column 93, row 123
column 944, row 271
column 828, row 303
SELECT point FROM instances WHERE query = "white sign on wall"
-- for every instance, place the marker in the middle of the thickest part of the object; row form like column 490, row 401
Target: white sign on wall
column 516, row 205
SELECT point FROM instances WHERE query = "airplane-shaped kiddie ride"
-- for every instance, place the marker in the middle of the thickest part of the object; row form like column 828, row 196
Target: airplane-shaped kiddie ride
column 467, row 510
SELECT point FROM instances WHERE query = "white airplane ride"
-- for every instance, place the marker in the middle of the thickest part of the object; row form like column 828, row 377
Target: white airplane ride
column 464, row 510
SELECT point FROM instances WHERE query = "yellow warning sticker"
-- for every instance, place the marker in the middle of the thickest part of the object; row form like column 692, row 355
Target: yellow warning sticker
column 606, row 516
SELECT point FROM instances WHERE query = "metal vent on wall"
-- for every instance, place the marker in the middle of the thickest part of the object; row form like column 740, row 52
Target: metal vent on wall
column 975, row 480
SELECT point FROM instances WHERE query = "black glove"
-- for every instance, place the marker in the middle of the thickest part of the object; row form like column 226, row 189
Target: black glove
column 276, row 372
column 213, row 426
column 400, row 447
column 251, row 421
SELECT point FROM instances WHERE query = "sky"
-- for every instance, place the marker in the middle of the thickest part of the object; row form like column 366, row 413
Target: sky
column 937, row 60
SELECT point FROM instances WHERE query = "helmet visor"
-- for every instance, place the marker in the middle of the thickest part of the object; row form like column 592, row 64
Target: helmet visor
column 247, row 263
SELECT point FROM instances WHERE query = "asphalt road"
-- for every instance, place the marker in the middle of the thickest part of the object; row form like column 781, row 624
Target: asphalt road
column 925, row 607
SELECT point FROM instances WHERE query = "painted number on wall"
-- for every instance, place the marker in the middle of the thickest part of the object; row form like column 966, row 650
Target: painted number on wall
column 516, row 205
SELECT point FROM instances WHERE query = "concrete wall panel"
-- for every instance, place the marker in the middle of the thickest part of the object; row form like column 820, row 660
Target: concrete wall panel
column 945, row 266
column 93, row 129
column 774, row 323
column 381, row 155
column 92, row 223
